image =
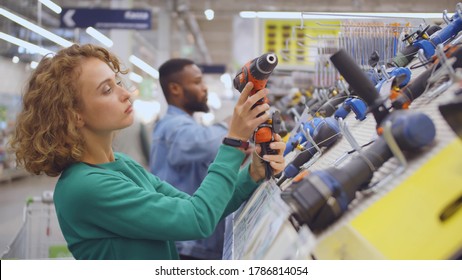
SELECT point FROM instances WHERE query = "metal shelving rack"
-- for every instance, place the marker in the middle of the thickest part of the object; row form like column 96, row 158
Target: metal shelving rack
column 397, row 220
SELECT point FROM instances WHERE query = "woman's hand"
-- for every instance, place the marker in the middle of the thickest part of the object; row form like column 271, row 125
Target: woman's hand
column 257, row 167
column 244, row 120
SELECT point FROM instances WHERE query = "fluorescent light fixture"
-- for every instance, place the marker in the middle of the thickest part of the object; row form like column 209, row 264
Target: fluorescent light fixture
column 15, row 59
column 21, row 43
column 144, row 66
column 374, row 15
column 37, row 29
column 52, row 6
column 209, row 14
column 313, row 15
column 275, row 15
column 33, row 64
column 248, row 14
column 103, row 39
column 135, row 77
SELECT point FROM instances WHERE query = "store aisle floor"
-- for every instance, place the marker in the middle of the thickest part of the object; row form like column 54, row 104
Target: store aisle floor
column 13, row 196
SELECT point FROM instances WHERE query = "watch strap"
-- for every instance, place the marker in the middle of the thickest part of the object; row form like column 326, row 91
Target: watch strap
column 233, row 142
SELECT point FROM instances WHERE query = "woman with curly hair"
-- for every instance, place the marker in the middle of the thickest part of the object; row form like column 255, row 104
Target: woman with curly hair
column 109, row 206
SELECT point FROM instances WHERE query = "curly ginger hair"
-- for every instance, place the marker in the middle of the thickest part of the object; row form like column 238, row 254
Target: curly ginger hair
column 46, row 138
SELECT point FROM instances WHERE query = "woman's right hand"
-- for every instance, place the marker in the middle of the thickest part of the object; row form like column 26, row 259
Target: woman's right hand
column 244, row 120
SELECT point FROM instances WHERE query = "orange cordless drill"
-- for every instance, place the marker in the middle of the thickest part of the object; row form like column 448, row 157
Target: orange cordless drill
column 258, row 71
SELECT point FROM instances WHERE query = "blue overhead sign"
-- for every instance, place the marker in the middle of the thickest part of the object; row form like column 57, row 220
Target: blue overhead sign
column 106, row 18
column 212, row 69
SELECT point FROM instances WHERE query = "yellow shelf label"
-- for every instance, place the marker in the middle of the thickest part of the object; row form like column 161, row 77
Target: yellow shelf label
column 406, row 224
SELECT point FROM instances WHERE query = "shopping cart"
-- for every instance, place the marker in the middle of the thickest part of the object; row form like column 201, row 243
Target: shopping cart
column 39, row 236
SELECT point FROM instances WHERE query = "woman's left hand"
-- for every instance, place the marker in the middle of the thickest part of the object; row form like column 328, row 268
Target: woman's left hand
column 257, row 167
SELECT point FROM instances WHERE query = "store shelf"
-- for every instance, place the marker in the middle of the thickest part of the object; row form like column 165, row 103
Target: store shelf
column 398, row 220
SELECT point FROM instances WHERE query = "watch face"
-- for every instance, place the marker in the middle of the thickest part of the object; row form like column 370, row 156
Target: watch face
column 232, row 142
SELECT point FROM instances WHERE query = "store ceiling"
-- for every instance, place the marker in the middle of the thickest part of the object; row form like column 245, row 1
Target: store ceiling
column 231, row 7
column 218, row 34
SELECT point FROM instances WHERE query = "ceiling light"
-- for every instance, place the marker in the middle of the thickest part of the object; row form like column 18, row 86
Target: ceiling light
column 209, row 14
column 375, row 15
column 310, row 15
column 21, row 43
column 33, row 64
column 15, row 59
column 103, row 39
column 52, row 6
column 144, row 66
column 37, row 29
column 275, row 15
column 135, row 77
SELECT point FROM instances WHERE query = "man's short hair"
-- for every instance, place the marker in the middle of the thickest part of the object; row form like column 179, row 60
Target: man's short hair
column 168, row 70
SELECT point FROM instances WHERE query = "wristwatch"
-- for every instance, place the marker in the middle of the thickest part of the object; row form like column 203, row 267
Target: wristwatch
column 233, row 142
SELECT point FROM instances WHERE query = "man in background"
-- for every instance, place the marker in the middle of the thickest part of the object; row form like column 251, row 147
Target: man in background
column 182, row 149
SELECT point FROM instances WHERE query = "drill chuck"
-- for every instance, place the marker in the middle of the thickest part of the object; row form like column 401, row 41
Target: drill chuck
column 256, row 71
column 264, row 65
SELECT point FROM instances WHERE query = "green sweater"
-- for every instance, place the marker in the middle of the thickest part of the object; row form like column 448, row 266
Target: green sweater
column 118, row 210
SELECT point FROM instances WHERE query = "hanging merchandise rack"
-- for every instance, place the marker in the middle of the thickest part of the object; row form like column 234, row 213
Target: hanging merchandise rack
column 401, row 210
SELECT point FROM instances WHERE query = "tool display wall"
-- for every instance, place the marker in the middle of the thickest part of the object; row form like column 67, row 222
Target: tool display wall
column 409, row 209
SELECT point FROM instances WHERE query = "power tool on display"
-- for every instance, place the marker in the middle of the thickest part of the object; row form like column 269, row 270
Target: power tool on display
column 401, row 99
column 323, row 196
column 361, row 84
column 324, row 132
column 416, row 40
column 427, row 39
column 258, row 71
column 452, row 113
column 378, row 104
